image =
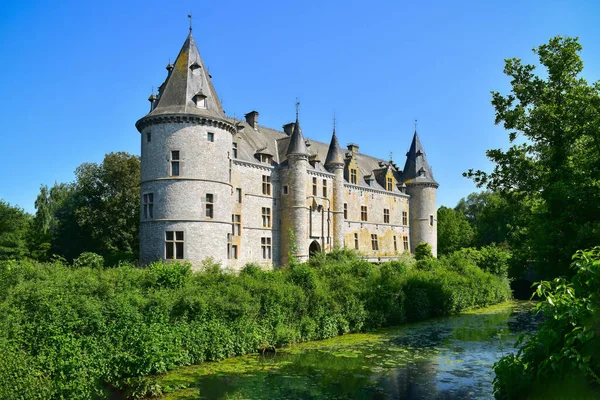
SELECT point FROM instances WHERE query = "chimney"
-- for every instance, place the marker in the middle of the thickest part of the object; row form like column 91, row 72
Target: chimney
column 353, row 147
column 252, row 119
column 289, row 128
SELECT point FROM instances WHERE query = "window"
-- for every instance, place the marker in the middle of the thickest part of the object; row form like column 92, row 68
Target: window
column 175, row 163
column 431, row 220
column 209, row 205
column 174, row 245
column 265, row 158
column 148, row 205
column 395, row 244
column 148, row 137
column 210, row 137
column 266, row 185
column 234, row 150
column 374, row 242
column 405, row 241
column 390, row 184
column 363, row 213
column 237, row 225
column 238, row 195
column 386, row 216
column 266, row 217
column 314, row 185
column 324, row 187
column 285, row 189
column 200, row 100
column 345, row 210
column 234, row 251
column 265, row 246
column 404, row 218
column 353, row 176
column 356, row 241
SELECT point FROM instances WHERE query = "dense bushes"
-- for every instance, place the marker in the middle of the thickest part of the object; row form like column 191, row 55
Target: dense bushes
column 81, row 332
column 562, row 360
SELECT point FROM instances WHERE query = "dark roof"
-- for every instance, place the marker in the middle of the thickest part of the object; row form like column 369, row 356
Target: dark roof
column 188, row 78
column 416, row 169
column 297, row 144
column 334, row 154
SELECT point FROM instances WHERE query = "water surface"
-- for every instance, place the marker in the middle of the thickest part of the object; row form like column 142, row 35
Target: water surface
column 444, row 358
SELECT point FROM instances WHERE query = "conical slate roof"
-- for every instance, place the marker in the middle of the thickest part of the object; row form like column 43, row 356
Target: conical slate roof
column 187, row 83
column 297, row 143
column 334, row 155
column 416, row 169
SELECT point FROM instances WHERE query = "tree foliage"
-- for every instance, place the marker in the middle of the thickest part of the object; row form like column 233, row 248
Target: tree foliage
column 553, row 167
column 454, row 231
column 14, row 232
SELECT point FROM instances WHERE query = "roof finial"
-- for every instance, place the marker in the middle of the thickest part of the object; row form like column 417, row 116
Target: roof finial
column 190, row 17
column 334, row 122
column 415, row 126
column 391, row 156
column 297, row 107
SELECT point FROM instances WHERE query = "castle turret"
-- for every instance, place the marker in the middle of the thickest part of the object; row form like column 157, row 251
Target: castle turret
column 297, row 156
column 335, row 164
column 421, row 187
column 186, row 210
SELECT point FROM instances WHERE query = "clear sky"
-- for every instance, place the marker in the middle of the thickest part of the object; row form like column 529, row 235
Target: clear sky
column 76, row 75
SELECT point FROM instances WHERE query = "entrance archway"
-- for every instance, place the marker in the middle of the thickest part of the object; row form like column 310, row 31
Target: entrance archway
column 314, row 248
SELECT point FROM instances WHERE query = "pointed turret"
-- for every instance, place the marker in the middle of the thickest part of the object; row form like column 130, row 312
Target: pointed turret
column 297, row 143
column 416, row 169
column 188, row 88
column 334, row 155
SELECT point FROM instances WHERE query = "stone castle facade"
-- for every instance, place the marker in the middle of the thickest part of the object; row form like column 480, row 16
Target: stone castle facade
column 214, row 186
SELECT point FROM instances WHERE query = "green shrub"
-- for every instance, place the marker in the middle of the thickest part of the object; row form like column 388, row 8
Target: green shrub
column 423, row 251
column 90, row 260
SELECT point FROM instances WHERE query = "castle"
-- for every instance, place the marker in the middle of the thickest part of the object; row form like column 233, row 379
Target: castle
column 215, row 186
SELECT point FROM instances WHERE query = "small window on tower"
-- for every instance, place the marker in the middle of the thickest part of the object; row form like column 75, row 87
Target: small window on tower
column 356, row 241
column 148, row 137
column 238, row 195
column 210, row 137
column 431, row 220
column 285, row 189
column 234, row 150
column 266, row 185
column 209, row 205
column 175, row 163
column 345, row 210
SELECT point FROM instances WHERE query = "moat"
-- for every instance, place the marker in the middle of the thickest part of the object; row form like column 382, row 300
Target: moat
column 444, row 358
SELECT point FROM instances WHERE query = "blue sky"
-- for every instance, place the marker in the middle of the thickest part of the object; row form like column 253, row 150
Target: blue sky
column 75, row 76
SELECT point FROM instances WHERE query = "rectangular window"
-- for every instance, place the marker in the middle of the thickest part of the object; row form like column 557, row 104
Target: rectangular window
column 148, row 137
column 234, row 251
column 209, row 205
column 314, row 186
column 174, row 245
column 356, row 241
column 175, row 163
column 266, row 217
column 374, row 242
column 386, row 216
column 285, row 189
column 363, row 213
column 353, row 176
column 404, row 218
column 431, row 220
column 395, row 244
column 148, row 205
column 405, row 241
column 237, row 224
column 234, row 150
column 266, row 185
column 238, row 195
column 390, row 184
column 324, row 187
column 345, row 210
column 210, row 137
column 265, row 246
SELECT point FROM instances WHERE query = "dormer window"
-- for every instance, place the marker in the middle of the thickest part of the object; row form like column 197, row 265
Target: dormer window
column 422, row 172
column 353, row 176
column 200, row 100
column 195, row 67
column 266, row 158
column 369, row 180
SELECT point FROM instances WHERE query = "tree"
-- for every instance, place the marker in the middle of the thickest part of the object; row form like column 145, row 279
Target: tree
column 554, row 171
column 14, row 229
column 454, row 231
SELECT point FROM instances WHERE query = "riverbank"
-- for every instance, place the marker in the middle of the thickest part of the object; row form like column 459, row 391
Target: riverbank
column 447, row 357
column 82, row 331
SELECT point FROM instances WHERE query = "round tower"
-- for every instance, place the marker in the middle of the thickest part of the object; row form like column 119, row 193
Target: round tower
column 185, row 180
column 335, row 164
column 422, row 188
column 297, row 218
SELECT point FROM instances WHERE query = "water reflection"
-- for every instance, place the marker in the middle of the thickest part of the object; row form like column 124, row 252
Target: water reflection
column 446, row 358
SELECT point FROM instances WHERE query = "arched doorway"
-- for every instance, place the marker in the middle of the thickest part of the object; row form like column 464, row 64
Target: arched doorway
column 314, row 248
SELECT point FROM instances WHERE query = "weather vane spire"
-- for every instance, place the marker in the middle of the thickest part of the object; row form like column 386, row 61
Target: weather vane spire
column 334, row 123
column 190, row 18
column 415, row 125
column 297, row 107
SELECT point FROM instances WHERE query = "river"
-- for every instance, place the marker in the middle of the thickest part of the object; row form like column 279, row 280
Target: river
column 444, row 358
